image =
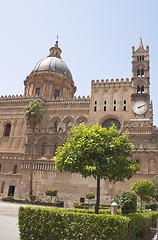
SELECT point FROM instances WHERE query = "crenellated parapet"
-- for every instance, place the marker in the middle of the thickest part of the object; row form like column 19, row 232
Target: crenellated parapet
column 111, row 83
column 18, row 97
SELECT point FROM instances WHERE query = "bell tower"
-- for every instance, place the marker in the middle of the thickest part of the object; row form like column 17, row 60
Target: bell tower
column 140, row 69
column 141, row 106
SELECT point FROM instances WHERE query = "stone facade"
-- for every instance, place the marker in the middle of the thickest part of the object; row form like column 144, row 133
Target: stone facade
column 123, row 102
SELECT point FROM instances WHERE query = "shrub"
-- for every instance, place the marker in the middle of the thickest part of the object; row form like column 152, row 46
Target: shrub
column 81, row 224
column 32, row 198
column 128, row 202
column 139, row 225
column 152, row 206
column 143, row 188
column 90, row 195
column 46, row 224
column 36, row 202
column 52, row 193
column 117, row 199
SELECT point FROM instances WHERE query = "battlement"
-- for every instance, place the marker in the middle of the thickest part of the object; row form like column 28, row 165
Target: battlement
column 32, row 97
column 111, row 83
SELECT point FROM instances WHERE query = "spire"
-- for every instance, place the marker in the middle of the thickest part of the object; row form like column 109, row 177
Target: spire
column 55, row 51
column 141, row 43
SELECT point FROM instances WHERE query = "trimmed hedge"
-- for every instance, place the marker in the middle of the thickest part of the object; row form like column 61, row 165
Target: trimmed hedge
column 92, row 206
column 80, row 224
column 46, row 224
column 36, row 202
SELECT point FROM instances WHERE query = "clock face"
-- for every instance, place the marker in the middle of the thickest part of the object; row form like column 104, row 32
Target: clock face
column 140, row 107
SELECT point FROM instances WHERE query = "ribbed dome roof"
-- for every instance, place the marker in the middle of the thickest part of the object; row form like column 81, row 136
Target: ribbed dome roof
column 52, row 63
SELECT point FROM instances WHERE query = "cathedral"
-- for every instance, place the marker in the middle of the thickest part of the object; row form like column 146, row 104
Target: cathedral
column 126, row 103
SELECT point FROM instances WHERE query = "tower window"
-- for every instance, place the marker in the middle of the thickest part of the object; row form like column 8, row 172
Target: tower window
column 114, row 101
column 0, row 168
column 143, row 58
column 124, row 101
column 138, row 89
column 56, row 93
column 43, row 149
column 7, row 129
column 15, row 169
column 95, row 102
column 142, row 72
column 140, row 58
column 95, row 109
column 142, row 89
column 104, row 102
column 104, row 108
column 137, row 58
column 138, row 72
column 114, row 108
column 37, row 92
column 124, row 108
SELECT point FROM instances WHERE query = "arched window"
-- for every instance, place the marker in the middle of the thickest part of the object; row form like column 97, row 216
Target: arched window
column 138, row 72
column 55, row 126
column 138, row 89
column 55, row 148
column 142, row 72
column 43, row 149
column 0, row 167
column 7, row 129
column 109, row 122
column 124, row 108
column 15, row 169
column 142, row 57
column 142, row 89
column 137, row 58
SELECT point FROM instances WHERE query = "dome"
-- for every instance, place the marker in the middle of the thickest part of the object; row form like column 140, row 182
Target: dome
column 52, row 63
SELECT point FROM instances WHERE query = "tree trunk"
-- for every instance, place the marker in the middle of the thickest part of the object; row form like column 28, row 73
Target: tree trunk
column 98, row 196
column 31, row 163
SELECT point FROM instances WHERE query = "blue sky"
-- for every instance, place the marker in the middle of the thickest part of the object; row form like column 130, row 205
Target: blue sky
column 96, row 38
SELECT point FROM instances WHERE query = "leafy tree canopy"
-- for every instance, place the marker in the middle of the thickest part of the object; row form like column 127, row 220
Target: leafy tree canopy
column 90, row 195
column 96, row 151
column 51, row 192
column 33, row 113
column 143, row 188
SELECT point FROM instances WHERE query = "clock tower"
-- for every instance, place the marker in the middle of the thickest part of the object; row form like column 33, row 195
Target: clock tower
column 141, row 107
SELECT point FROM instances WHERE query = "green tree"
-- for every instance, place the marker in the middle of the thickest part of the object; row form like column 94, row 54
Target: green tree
column 98, row 152
column 52, row 193
column 90, row 196
column 143, row 189
column 33, row 116
column 128, row 202
column 154, row 197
